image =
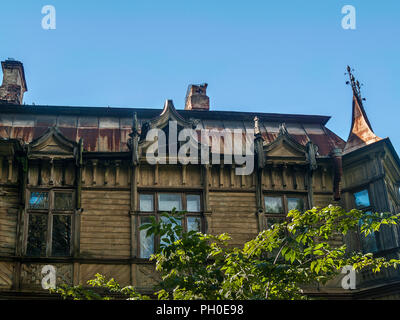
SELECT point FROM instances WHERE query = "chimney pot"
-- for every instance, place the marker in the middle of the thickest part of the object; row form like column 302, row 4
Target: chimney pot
column 14, row 85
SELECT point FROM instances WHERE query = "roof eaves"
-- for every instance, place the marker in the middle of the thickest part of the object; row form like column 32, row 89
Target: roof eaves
column 153, row 112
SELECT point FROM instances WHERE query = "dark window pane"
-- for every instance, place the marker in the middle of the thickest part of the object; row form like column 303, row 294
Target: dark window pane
column 273, row 220
column 193, row 224
column 168, row 201
column 193, row 203
column 362, row 199
column 273, row 204
column 39, row 200
column 63, row 201
column 295, row 204
column 37, row 235
column 146, row 243
column 166, row 220
column 146, row 202
column 368, row 242
column 61, row 235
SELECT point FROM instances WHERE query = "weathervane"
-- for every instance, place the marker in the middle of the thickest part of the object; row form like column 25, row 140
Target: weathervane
column 355, row 84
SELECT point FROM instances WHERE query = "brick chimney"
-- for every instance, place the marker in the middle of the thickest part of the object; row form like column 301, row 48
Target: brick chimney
column 14, row 86
column 196, row 97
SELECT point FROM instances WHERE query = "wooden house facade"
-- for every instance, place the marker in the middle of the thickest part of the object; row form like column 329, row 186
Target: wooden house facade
column 75, row 185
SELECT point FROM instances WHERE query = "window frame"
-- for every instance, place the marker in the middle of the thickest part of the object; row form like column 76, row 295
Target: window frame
column 397, row 186
column 157, row 214
column 284, row 198
column 365, row 210
column 50, row 212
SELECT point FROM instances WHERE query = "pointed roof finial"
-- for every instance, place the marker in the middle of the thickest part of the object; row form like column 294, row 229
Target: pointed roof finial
column 135, row 126
column 355, row 84
column 282, row 129
column 361, row 133
column 256, row 125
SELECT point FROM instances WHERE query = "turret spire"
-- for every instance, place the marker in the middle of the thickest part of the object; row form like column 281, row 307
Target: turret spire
column 361, row 133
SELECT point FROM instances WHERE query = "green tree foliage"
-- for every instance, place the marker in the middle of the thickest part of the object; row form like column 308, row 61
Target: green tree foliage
column 103, row 289
column 277, row 264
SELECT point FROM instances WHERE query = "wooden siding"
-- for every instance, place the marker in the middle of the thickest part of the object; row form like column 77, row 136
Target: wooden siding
column 234, row 213
column 121, row 273
column 105, row 224
column 6, row 275
column 9, row 203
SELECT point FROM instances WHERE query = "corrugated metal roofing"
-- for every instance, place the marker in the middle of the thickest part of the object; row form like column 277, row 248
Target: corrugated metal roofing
column 107, row 129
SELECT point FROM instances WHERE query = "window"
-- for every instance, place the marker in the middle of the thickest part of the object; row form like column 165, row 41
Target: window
column 146, row 243
column 273, row 205
column 295, row 204
column 362, row 199
column 362, row 202
column 277, row 207
column 50, row 215
column 153, row 204
column 168, row 201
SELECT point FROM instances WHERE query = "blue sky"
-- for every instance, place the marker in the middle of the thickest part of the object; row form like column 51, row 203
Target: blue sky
column 262, row 56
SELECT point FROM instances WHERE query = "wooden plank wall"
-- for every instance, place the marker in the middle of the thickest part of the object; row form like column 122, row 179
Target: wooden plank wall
column 105, row 224
column 9, row 206
column 121, row 273
column 234, row 213
column 9, row 203
column 6, row 275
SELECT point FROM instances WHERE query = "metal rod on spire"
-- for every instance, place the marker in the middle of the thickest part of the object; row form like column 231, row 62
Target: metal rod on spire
column 355, row 84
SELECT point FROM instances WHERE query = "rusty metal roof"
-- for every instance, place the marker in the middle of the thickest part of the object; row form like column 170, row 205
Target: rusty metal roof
column 361, row 133
column 105, row 129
